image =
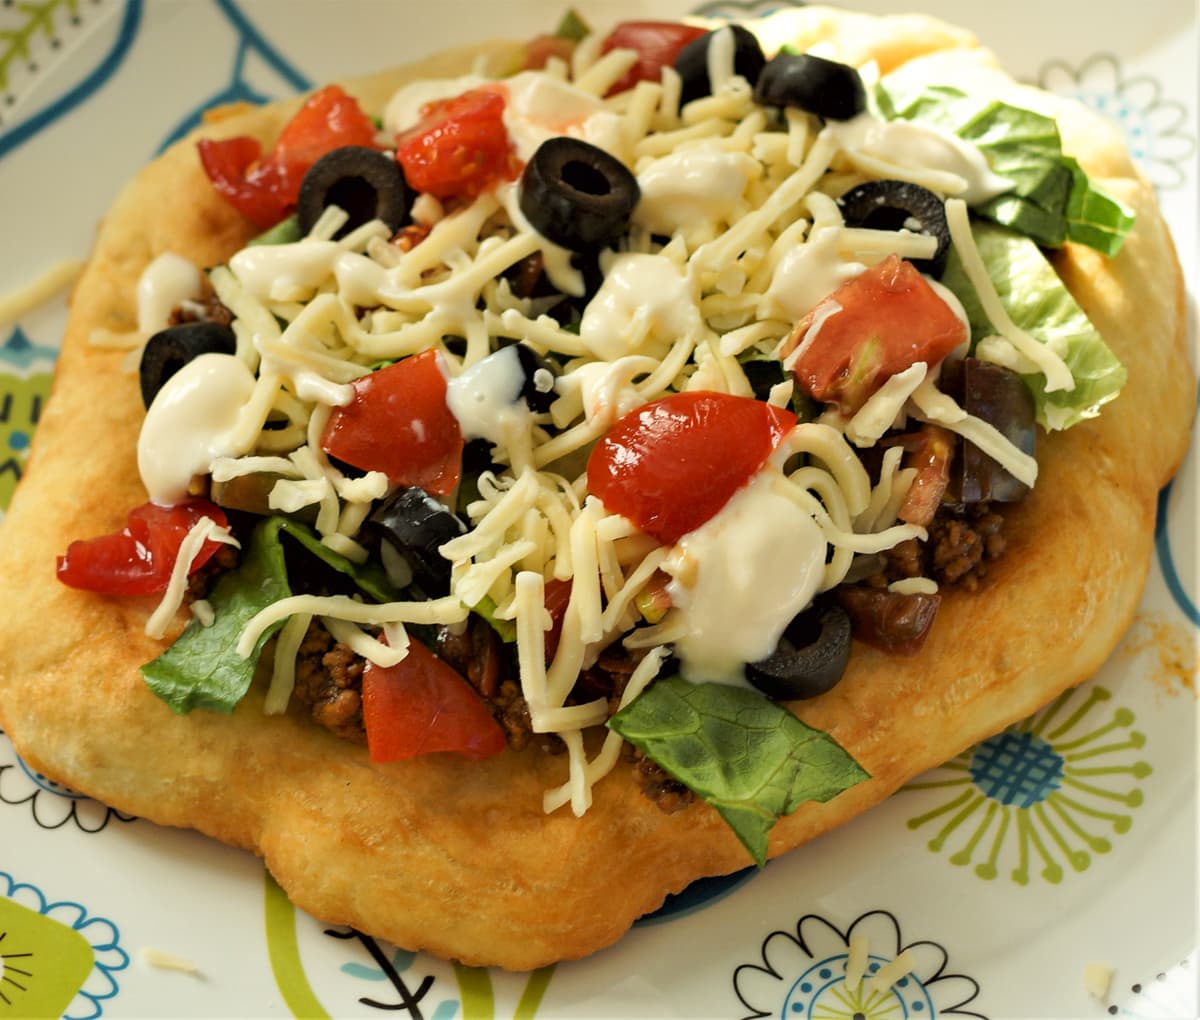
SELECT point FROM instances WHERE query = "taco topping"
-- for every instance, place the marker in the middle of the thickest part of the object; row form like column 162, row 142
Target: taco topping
column 655, row 400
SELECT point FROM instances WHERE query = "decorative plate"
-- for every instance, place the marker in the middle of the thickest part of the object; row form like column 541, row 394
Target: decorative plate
column 1060, row 850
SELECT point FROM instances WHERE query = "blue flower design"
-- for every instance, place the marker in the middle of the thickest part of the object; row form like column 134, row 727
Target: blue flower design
column 101, row 935
column 1156, row 128
column 52, row 804
column 807, row 975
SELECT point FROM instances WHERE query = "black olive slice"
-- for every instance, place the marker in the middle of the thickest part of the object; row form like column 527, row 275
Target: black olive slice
column 416, row 525
column 538, row 389
column 168, row 350
column 888, row 620
column 810, row 658
column 577, row 195
column 366, row 183
column 692, row 62
column 1000, row 397
column 813, row 84
column 891, row 205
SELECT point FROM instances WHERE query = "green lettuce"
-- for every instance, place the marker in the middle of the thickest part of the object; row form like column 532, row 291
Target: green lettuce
column 202, row 669
column 1052, row 200
column 1037, row 301
column 286, row 231
column 737, row 750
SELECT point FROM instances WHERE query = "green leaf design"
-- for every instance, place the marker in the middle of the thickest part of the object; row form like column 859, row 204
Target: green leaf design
column 740, row 752
column 39, row 19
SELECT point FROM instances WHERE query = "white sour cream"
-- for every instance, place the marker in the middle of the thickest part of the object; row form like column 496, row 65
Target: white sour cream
column 607, row 389
column 700, row 183
column 540, row 106
column 486, row 398
column 645, row 303
column 741, row 577
column 909, row 144
column 164, row 285
column 807, row 274
column 285, row 272
column 190, row 423
column 360, row 280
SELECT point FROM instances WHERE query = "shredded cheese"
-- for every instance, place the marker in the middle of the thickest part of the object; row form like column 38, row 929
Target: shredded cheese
column 55, row 279
column 856, row 961
column 893, row 971
column 204, row 530
column 169, row 961
column 1058, row 375
column 746, row 204
column 934, row 406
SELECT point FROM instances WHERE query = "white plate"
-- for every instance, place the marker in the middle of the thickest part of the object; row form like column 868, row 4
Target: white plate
column 1067, row 842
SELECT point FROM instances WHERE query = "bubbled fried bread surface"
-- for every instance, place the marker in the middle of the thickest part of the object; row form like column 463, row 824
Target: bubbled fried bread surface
column 457, row 857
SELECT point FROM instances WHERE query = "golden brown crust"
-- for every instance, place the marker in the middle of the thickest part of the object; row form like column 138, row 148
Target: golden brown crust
column 458, row 857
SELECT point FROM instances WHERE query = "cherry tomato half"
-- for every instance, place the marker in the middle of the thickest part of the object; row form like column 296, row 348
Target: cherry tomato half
column 460, row 148
column 672, row 464
column 421, row 705
column 265, row 189
column 138, row 559
column 887, row 319
column 658, row 44
column 398, row 423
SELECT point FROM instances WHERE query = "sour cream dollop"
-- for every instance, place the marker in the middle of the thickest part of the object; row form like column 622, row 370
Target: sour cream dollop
column 741, row 577
column 645, row 302
column 190, row 423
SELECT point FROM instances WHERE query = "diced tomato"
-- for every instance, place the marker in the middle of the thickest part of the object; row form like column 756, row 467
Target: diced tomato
column 557, row 595
column 541, row 48
column 873, row 326
column 265, row 189
column 398, row 423
column 930, row 451
column 421, row 705
column 658, row 44
column 670, row 465
column 460, row 148
column 138, row 559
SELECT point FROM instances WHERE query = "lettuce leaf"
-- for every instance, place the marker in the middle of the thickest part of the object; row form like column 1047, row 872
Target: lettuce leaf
column 202, row 669
column 1037, row 301
column 1052, row 200
column 746, row 755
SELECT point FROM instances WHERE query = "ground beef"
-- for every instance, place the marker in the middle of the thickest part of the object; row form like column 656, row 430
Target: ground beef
column 476, row 652
column 201, row 581
column 960, row 547
column 512, row 713
column 329, row 683
column 207, row 309
column 667, row 794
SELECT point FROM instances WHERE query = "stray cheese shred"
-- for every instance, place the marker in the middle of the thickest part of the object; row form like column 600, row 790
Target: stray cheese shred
column 54, row 280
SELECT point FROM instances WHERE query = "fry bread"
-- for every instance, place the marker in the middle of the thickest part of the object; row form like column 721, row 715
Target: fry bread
column 457, row 857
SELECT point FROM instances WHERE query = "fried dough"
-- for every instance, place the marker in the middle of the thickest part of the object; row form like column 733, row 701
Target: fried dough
column 457, row 857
